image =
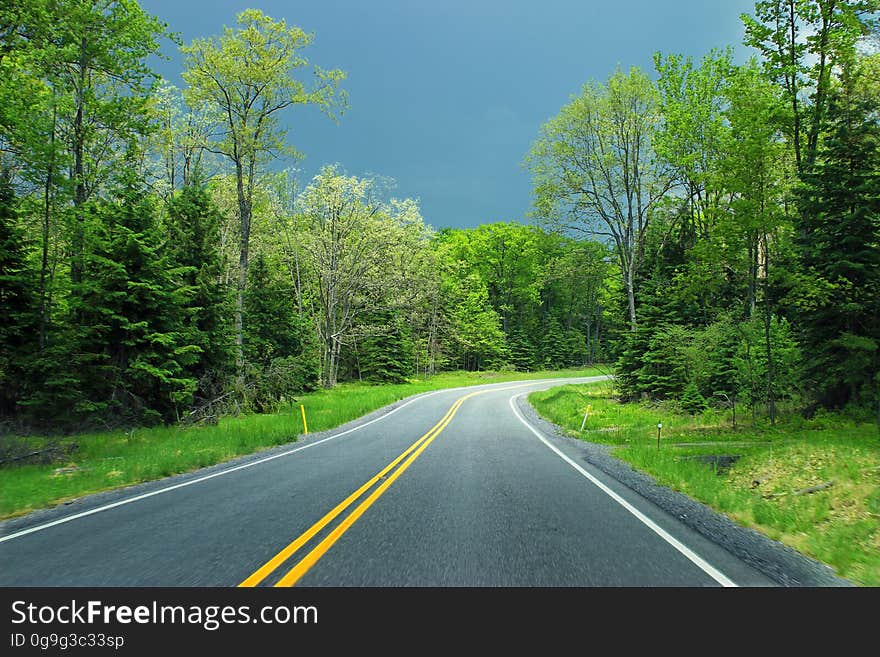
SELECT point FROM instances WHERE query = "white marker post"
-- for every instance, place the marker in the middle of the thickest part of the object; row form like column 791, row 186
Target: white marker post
column 659, row 430
column 586, row 417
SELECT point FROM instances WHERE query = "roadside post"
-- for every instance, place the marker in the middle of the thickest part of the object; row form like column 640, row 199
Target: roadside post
column 305, row 424
column 659, row 431
column 586, row 416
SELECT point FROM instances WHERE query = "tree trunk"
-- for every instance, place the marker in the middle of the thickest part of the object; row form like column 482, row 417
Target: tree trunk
column 631, row 298
column 79, row 190
column 588, row 334
column 334, row 362
column 771, row 374
column 244, row 210
column 822, row 84
column 792, row 17
column 753, row 275
column 47, row 216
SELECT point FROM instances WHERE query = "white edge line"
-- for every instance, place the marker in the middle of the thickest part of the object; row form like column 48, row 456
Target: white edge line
column 199, row 480
column 701, row 563
column 226, row 471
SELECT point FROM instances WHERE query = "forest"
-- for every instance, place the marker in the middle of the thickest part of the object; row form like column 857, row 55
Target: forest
column 710, row 229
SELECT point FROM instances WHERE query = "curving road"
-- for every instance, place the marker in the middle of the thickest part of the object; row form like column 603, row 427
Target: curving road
column 453, row 488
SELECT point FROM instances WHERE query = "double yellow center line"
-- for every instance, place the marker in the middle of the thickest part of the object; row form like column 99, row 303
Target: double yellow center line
column 407, row 457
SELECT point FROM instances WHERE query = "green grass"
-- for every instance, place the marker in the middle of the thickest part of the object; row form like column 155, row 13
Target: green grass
column 108, row 460
column 839, row 526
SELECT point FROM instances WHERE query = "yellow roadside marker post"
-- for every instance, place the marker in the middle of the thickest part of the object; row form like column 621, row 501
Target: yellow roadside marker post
column 586, row 416
column 305, row 424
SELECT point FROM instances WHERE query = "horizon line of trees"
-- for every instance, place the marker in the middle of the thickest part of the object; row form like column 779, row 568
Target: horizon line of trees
column 743, row 205
column 715, row 231
column 156, row 267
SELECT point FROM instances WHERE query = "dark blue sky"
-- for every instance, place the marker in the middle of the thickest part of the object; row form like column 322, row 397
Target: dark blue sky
column 448, row 95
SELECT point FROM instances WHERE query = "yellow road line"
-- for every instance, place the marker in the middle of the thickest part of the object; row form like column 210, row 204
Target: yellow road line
column 265, row 570
column 300, row 569
column 413, row 451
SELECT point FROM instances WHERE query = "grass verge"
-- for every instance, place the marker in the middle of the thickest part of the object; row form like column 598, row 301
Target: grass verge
column 757, row 475
column 107, row 460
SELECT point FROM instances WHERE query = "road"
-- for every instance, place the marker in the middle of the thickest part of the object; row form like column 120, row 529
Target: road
column 453, row 488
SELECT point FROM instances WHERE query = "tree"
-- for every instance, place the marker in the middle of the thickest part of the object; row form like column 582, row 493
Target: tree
column 16, row 302
column 192, row 247
column 553, row 348
column 101, row 63
column 131, row 346
column 249, row 75
column 280, row 349
column 572, row 280
column 693, row 130
column 791, row 33
column 506, row 258
column 840, row 242
column 385, row 354
column 594, row 169
column 756, row 173
column 351, row 237
column 475, row 336
column 180, row 137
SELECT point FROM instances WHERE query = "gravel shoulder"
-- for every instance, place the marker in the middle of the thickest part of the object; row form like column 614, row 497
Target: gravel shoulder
column 780, row 563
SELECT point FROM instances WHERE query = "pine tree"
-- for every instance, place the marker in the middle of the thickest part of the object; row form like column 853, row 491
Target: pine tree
column 16, row 303
column 553, row 345
column 691, row 399
column 280, row 349
column 131, row 332
column 522, row 350
column 386, row 353
column 840, row 240
column 193, row 224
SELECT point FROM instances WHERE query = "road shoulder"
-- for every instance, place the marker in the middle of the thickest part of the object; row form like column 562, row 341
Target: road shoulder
column 780, row 563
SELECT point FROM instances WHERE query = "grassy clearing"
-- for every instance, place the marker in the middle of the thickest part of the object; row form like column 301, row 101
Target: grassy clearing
column 839, row 526
column 107, row 460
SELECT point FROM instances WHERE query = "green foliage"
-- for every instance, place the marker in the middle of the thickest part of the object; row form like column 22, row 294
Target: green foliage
column 840, row 246
column 553, row 344
column 594, row 169
column 548, row 291
column 130, row 317
column 193, row 232
column 279, row 345
column 720, row 364
column 691, row 399
column 385, row 354
column 16, row 303
column 252, row 72
column 476, row 338
column 732, row 212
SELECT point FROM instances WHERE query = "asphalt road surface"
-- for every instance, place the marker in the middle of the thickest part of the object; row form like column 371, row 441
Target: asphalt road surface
column 453, row 488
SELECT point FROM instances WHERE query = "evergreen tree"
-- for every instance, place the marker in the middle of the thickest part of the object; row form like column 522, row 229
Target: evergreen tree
column 132, row 352
column 280, row 347
column 16, row 303
column 665, row 368
column 840, row 240
column 193, row 225
column 386, row 353
column 553, row 345
column 522, row 350
column 630, row 364
column 691, row 399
